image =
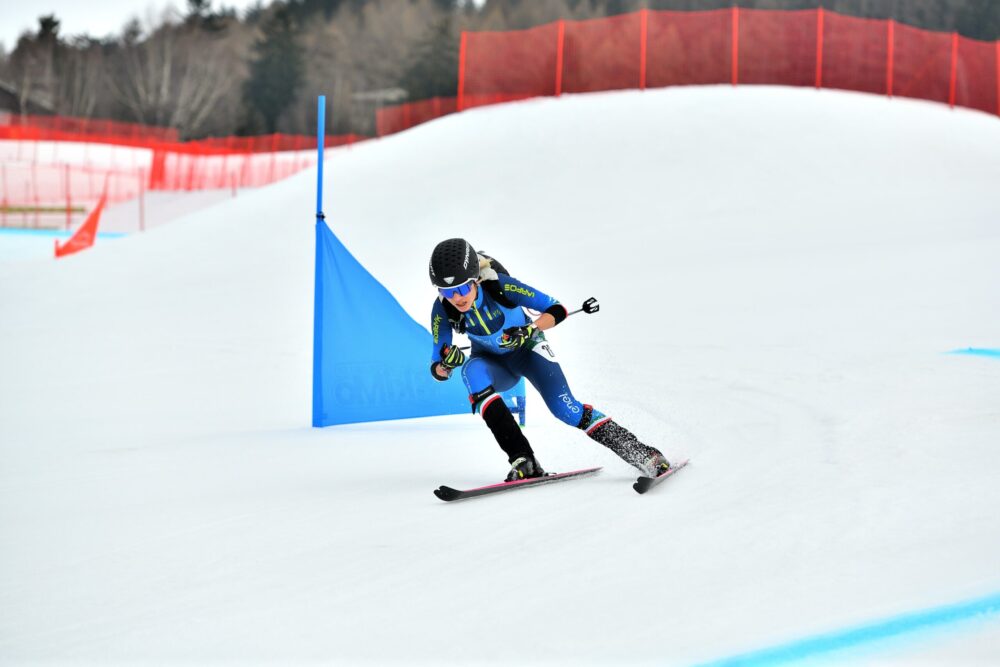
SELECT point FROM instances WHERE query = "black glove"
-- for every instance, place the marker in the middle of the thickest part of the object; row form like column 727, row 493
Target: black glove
column 451, row 357
column 515, row 337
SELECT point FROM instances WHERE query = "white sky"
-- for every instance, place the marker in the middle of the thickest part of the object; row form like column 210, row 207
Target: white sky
column 97, row 19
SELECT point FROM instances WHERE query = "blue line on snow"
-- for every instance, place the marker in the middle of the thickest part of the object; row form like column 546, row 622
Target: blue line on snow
column 978, row 351
column 812, row 647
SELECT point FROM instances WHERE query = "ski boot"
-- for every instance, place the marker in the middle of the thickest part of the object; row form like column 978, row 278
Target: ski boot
column 524, row 467
column 655, row 465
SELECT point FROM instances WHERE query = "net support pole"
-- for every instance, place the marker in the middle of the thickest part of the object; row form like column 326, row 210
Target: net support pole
column 320, row 145
column 462, row 46
column 560, row 41
column 819, row 48
column 318, row 269
column 891, row 57
column 643, row 32
column 952, row 87
column 736, row 45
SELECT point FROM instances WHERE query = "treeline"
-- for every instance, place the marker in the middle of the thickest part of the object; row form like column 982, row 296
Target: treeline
column 216, row 72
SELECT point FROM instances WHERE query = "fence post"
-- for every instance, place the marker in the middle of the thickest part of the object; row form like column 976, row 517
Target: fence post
column 69, row 202
column 34, row 186
column 819, row 48
column 736, row 44
column 643, row 27
column 4, row 202
column 142, row 199
column 891, row 57
column 560, row 38
column 462, row 45
column 954, row 69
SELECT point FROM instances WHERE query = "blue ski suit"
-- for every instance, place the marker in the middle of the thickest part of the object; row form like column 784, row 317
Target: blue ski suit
column 491, row 369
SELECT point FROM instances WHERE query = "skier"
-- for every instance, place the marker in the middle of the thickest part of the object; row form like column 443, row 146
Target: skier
column 477, row 298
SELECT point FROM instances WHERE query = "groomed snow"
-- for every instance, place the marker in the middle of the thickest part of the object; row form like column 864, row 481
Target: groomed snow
column 781, row 274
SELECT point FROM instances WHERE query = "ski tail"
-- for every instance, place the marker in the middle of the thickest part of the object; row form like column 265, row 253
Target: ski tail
column 644, row 484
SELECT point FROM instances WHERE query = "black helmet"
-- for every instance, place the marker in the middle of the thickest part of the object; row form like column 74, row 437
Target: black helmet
column 453, row 262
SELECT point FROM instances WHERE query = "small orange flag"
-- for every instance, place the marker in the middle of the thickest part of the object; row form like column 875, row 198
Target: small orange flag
column 85, row 235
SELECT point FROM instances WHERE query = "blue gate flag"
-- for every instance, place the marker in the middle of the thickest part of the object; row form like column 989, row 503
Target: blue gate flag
column 371, row 360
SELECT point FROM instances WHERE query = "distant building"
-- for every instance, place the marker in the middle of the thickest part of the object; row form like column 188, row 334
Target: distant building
column 366, row 104
column 10, row 102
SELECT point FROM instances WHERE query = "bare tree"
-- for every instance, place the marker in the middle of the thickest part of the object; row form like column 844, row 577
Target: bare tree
column 180, row 74
column 81, row 78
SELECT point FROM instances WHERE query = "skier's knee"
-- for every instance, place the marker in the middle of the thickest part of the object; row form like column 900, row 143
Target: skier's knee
column 481, row 399
column 565, row 408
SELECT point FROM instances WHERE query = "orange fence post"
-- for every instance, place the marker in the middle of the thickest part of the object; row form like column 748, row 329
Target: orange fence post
column 34, row 186
column 3, row 201
column 643, row 31
column 559, row 56
column 461, row 71
column 954, row 69
column 736, row 45
column 819, row 48
column 891, row 57
column 69, row 203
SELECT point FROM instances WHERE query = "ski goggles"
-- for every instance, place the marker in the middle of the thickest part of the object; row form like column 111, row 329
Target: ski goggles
column 460, row 290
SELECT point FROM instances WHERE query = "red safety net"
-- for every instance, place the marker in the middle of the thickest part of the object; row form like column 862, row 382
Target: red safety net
column 397, row 118
column 855, row 54
column 53, row 169
column 978, row 62
column 27, row 127
column 921, row 64
column 602, row 54
column 739, row 46
column 517, row 63
column 688, row 48
column 776, row 47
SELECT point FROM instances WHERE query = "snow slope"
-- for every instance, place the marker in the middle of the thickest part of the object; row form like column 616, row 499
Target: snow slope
column 781, row 273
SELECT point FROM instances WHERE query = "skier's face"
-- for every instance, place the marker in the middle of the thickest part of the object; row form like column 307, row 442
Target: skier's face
column 464, row 303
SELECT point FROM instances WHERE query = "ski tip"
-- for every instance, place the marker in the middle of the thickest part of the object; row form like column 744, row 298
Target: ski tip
column 446, row 493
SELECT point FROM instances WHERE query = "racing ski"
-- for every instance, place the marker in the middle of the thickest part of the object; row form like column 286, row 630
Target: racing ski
column 447, row 493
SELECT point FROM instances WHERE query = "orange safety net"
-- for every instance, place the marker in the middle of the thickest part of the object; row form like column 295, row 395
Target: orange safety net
column 649, row 49
column 688, row 48
column 397, row 118
column 855, row 54
column 28, row 127
column 601, row 54
column 978, row 62
column 41, row 176
column 516, row 63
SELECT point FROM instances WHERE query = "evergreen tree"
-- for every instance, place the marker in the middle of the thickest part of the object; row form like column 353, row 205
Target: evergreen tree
column 276, row 70
column 433, row 69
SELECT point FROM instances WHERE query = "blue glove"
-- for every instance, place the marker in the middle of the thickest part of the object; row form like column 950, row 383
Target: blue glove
column 515, row 337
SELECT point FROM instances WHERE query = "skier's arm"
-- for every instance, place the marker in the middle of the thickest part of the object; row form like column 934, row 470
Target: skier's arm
column 553, row 312
column 441, row 333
